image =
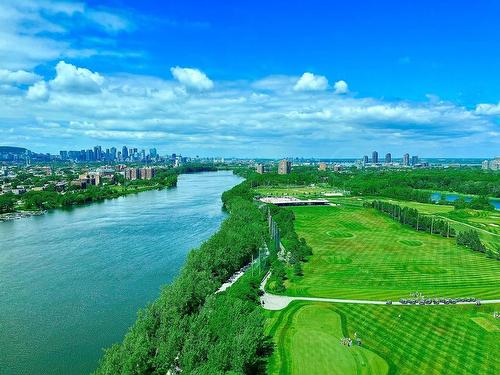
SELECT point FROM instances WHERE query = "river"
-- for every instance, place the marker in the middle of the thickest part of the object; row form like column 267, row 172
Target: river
column 71, row 281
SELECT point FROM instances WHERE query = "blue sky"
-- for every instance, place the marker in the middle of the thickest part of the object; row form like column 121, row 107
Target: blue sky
column 252, row 78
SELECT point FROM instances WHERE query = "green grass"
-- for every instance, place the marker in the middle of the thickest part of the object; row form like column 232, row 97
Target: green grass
column 360, row 253
column 395, row 339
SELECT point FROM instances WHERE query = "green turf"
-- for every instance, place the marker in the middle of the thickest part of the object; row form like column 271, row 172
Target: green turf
column 395, row 339
column 384, row 259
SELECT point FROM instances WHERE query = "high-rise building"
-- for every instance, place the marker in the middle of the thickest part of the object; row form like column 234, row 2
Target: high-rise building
column 124, row 152
column 153, row 153
column 97, row 153
column 414, row 160
column 89, row 155
column 112, row 153
column 388, row 158
column 284, row 167
column 365, row 159
column 64, row 155
column 374, row 157
column 259, row 168
column 406, row 160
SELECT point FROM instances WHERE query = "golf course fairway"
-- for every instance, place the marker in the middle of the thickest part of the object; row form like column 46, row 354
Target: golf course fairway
column 359, row 253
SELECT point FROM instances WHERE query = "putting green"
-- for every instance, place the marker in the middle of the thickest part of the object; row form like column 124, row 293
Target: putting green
column 309, row 343
column 397, row 339
column 384, row 259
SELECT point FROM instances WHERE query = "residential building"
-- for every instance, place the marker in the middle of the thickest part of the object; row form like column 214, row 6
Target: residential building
column 493, row 165
column 259, row 168
column 284, row 167
column 147, row 173
column 322, row 166
column 132, row 174
column 337, row 168
column 406, row 160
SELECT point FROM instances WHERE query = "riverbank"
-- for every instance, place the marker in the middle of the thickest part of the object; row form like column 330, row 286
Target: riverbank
column 19, row 215
column 34, row 203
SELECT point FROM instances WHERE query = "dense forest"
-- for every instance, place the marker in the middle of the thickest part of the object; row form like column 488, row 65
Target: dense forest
column 415, row 185
column 7, row 203
column 191, row 329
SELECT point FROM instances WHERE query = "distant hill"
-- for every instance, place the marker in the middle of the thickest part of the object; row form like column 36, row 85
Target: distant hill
column 12, row 150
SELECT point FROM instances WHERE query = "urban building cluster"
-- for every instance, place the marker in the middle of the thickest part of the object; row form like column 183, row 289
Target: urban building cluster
column 493, row 165
column 97, row 154
column 406, row 161
column 61, row 179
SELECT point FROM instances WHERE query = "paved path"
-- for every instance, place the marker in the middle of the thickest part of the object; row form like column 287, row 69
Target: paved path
column 275, row 302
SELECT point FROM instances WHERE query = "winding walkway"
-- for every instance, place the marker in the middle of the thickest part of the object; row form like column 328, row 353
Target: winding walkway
column 275, row 302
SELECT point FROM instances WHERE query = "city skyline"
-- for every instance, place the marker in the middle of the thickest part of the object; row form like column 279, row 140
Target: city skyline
column 76, row 73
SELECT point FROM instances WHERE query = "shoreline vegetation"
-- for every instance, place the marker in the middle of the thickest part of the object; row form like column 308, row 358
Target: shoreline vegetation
column 35, row 203
column 192, row 329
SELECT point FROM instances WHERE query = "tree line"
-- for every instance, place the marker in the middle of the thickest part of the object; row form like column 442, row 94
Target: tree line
column 410, row 216
column 413, row 218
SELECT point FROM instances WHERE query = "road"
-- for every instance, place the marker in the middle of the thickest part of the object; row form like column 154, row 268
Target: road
column 275, row 302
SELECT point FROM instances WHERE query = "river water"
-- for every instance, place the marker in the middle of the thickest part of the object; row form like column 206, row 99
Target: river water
column 71, row 281
column 450, row 197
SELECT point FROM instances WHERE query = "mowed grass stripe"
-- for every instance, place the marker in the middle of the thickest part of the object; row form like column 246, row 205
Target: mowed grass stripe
column 415, row 340
column 374, row 264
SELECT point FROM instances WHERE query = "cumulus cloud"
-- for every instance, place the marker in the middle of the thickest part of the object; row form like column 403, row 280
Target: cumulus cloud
column 239, row 117
column 341, row 87
column 488, row 109
column 192, row 78
column 35, row 32
column 38, row 91
column 311, row 82
column 20, row 77
column 77, row 80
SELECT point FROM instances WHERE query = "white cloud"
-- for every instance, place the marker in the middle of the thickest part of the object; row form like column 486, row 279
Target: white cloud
column 33, row 32
column 488, row 109
column 20, row 77
column 238, row 117
column 109, row 21
column 341, row 87
column 38, row 91
column 311, row 82
column 192, row 78
column 77, row 80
